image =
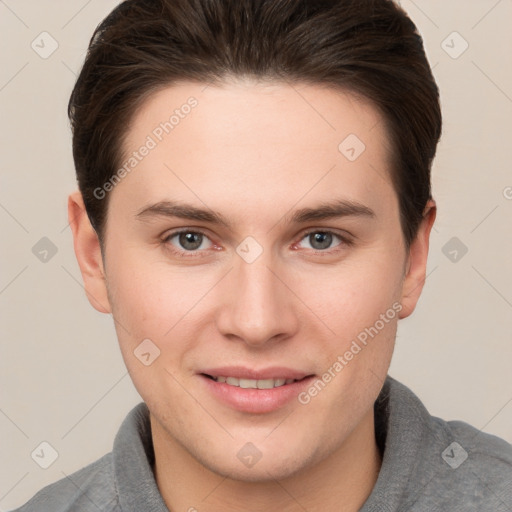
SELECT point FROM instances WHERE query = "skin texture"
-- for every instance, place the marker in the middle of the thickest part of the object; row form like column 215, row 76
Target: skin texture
column 255, row 153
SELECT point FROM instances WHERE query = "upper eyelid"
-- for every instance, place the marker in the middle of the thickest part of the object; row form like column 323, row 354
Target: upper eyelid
column 320, row 230
column 172, row 234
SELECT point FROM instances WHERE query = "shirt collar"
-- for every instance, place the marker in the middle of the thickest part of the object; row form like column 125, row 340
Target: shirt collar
column 404, row 431
column 133, row 460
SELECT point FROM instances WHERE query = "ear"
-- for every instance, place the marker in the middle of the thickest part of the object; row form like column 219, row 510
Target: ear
column 88, row 253
column 416, row 265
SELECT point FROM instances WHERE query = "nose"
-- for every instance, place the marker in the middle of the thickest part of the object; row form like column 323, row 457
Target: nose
column 257, row 306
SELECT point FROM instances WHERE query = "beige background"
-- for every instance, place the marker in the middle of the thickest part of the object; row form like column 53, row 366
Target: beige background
column 62, row 377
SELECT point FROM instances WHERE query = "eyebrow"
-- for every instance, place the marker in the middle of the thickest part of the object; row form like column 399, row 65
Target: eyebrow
column 331, row 210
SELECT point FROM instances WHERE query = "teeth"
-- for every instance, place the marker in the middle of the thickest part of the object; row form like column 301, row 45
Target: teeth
column 248, row 384
column 253, row 383
column 265, row 383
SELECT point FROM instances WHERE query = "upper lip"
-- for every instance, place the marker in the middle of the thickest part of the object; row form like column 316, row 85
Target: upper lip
column 242, row 372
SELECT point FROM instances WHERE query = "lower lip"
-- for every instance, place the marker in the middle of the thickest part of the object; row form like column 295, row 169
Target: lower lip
column 256, row 401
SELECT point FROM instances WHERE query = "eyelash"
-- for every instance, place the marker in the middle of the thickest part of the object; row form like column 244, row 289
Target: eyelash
column 345, row 241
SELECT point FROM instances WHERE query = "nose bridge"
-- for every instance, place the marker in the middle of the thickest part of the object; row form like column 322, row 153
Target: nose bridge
column 257, row 308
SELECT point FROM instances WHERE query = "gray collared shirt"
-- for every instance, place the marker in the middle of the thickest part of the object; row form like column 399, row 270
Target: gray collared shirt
column 429, row 465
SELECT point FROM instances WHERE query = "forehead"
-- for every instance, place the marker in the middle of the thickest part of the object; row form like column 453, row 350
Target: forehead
column 261, row 144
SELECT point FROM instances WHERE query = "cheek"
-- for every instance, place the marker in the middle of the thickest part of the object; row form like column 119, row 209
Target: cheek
column 363, row 311
column 360, row 305
column 355, row 294
column 144, row 303
column 150, row 296
column 152, row 300
column 149, row 308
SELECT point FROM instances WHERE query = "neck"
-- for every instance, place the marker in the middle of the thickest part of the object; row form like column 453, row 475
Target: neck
column 340, row 482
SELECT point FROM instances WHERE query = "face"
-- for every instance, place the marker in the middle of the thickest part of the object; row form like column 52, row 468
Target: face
column 256, row 246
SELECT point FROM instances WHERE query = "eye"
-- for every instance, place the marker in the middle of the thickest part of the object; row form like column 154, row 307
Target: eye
column 322, row 240
column 188, row 241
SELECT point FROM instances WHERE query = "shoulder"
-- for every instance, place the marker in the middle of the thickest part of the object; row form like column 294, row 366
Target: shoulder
column 435, row 465
column 90, row 489
column 469, row 468
column 485, row 448
column 121, row 480
column 487, row 458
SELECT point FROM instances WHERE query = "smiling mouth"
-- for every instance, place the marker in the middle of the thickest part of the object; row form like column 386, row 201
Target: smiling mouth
column 253, row 383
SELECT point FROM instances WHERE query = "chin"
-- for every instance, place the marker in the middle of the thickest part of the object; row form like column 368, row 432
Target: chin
column 267, row 469
column 262, row 474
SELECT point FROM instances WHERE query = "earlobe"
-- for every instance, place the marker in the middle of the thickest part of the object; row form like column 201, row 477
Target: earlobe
column 88, row 253
column 416, row 267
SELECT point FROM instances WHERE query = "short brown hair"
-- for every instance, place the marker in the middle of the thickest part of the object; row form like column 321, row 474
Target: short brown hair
column 368, row 47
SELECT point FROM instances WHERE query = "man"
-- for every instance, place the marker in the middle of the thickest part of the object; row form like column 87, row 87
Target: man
column 254, row 210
